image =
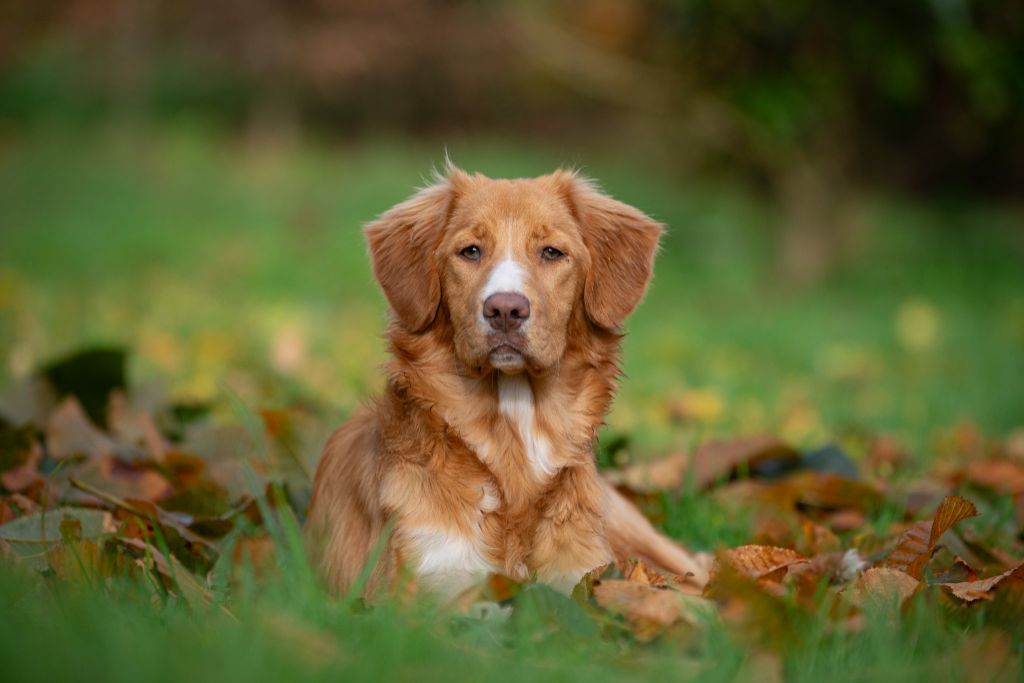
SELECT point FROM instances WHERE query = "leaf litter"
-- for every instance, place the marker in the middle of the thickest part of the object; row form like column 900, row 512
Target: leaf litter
column 93, row 486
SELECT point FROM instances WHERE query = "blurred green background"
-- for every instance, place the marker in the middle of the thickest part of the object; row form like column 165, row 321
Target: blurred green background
column 841, row 185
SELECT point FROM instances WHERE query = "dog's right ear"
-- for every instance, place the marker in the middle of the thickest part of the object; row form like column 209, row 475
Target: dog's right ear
column 402, row 244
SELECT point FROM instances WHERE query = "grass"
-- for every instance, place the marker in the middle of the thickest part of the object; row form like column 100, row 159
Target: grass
column 241, row 273
column 209, row 262
column 287, row 630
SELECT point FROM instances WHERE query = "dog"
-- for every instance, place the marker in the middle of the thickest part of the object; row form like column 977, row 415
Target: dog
column 507, row 299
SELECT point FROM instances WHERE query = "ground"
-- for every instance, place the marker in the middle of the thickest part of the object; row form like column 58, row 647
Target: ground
column 237, row 278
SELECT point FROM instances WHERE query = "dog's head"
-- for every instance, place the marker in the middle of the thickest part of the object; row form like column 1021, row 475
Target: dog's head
column 510, row 263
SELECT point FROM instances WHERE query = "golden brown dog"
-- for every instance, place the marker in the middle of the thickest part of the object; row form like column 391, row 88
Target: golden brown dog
column 507, row 300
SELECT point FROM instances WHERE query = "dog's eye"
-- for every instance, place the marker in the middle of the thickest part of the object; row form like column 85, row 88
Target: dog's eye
column 472, row 252
column 551, row 254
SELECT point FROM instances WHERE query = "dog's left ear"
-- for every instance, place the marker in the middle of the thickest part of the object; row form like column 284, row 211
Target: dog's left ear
column 402, row 244
column 622, row 242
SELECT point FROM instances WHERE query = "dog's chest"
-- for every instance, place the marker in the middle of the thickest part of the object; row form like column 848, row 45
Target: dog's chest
column 497, row 514
column 516, row 402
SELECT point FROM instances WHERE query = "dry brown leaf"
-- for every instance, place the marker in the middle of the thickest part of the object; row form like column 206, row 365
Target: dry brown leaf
column 648, row 609
column 254, row 553
column 1013, row 444
column 124, row 481
column 16, row 505
column 979, row 552
column 917, row 543
column 135, row 427
column 25, row 474
column 882, row 584
column 982, row 589
column 817, row 539
column 774, row 526
column 886, row 455
column 499, row 588
column 653, row 475
column 710, row 463
column 637, row 570
column 1000, row 475
column 171, row 571
column 762, row 561
column 78, row 561
column 833, row 492
column 757, row 611
column 69, row 432
column 842, row 521
column 959, row 570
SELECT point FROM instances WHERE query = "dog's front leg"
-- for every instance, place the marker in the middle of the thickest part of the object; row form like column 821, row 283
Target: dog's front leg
column 569, row 539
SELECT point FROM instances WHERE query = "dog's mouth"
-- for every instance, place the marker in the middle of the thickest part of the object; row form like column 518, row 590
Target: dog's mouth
column 506, row 355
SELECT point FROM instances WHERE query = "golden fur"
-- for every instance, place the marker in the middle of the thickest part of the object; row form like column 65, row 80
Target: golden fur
column 480, row 451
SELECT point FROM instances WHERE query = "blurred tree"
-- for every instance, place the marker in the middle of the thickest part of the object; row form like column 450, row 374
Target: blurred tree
column 807, row 100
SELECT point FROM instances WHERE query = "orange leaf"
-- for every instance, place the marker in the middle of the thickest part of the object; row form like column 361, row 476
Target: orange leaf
column 649, row 610
column 882, row 583
column 917, row 543
column 70, row 432
column 1000, row 475
column 762, row 561
column 833, row 492
column 969, row 591
column 710, row 463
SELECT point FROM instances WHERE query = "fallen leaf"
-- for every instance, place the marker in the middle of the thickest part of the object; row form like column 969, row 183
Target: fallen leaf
column 44, row 527
column 1013, row 444
column 886, row 455
column 762, row 561
column 69, row 432
column 30, row 537
column 882, row 585
column 173, row 574
column 648, row 609
column 1000, row 475
column 758, row 611
column 653, row 475
column 77, row 562
column 119, row 479
column 817, row 539
column 978, row 552
column 19, row 457
column 982, row 589
column 959, row 571
column 843, row 521
column 637, row 570
column 833, row 492
column 135, row 427
column 29, row 401
column 917, row 543
column 710, row 463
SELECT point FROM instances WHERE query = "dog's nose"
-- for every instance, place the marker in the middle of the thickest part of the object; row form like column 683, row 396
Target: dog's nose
column 506, row 311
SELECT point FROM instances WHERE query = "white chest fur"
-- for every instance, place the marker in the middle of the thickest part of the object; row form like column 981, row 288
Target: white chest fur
column 447, row 562
column 516, row 401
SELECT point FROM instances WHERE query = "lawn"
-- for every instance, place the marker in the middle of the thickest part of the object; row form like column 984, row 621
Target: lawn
column 237, row 282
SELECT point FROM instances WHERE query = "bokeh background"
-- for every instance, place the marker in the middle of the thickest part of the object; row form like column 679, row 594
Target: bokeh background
column 842, row 184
